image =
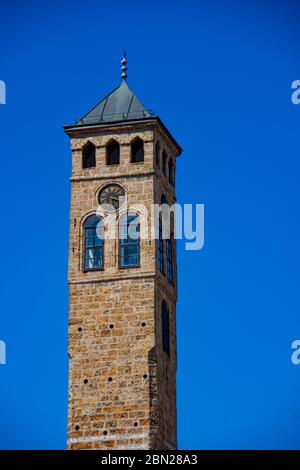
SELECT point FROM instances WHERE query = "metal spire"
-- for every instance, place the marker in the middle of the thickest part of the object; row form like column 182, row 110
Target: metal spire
column 124, row 66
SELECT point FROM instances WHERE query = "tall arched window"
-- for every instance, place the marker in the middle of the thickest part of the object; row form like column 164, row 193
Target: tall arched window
column 137, row 150
column 129, row 252
column 93, row 243
column 165, row 210
column 171, row 172
column 113, row 153
column 169, row 256
column 160, row 247
column 165, row 327
column 164, row 163
column 89, row 156
column 157, row 155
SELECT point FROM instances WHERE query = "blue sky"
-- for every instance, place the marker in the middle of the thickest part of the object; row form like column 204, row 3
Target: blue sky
column 219, row 74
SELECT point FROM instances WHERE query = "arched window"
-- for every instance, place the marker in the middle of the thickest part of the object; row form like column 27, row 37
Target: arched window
column 89, row 156
column 137, row 150
column 129, row 252
column 160, row 247
column 157, row 155
column 164, row 163
column 93, row 243
column 171, row 172
column 167, row 213
column 169, row 257
column 165, row 210
column 165, row 327
column 113, row 153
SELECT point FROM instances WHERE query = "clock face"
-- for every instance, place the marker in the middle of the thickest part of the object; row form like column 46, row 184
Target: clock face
column 112, row 197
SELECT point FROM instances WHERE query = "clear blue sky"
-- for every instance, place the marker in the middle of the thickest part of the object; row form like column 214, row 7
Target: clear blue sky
column 219, row 75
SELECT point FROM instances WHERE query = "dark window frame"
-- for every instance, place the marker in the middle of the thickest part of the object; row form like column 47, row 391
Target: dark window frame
column 169, row 258
column 89, row 232
column 160, row 247
column 127, row 243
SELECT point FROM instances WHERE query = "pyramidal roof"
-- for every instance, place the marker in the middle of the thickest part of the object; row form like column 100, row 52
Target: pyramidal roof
column 118, row 108
column 120, row 105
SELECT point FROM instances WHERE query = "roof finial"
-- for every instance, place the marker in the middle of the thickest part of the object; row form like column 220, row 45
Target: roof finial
column 124, row 67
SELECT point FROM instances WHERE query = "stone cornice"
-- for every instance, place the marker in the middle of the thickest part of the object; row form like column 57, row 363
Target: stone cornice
column 110, row 177
column 124, row 277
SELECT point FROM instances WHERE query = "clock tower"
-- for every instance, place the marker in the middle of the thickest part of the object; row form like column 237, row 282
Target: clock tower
column 122, row 288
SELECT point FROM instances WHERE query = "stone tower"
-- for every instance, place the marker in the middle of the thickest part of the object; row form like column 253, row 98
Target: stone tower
column 122, row 292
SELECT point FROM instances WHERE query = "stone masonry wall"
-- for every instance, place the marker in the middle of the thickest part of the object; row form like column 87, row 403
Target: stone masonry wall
column 111, row 350
column 122, row 386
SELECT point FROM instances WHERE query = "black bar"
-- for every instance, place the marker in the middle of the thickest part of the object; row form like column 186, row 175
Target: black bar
column 136, row 459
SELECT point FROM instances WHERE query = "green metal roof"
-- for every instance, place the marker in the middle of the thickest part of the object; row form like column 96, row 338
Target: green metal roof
column 120, row 105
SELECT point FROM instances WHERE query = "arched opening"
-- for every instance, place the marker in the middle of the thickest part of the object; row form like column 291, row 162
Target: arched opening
column 113, row 153
column 137, row 151
column 89, row 156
